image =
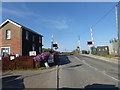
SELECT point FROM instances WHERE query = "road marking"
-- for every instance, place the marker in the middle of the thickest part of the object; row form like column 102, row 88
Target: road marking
column 110, row 76
column 96, row 69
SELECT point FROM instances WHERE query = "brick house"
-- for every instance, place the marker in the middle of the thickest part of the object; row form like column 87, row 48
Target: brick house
column 17, row 39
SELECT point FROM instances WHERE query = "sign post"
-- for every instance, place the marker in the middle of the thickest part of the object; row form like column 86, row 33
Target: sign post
column 90, row 43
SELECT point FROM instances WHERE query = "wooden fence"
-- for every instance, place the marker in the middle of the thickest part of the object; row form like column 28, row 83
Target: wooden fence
column 23, row 62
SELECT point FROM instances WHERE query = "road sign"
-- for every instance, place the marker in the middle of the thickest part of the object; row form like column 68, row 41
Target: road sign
column 32, row 53
column 89, row 42
column 55, row 45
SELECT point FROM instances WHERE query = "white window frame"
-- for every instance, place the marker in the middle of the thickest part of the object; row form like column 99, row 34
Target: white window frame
column 27, row 35
column 4, row 47
column 8, row 34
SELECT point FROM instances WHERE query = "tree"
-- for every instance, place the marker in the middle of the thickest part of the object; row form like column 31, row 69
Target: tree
column 46, row 50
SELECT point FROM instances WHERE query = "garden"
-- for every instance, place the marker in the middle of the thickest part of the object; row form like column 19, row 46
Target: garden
column 44, row 60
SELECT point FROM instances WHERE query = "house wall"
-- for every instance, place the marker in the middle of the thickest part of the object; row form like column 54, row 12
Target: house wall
column 27, row 44
column 14, row 42
column 113, row 48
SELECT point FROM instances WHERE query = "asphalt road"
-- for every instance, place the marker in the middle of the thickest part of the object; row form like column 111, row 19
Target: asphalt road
column 73, row 72
column 79, row 72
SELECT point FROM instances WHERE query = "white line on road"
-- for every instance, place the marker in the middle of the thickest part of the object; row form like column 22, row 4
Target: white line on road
column 96, row 69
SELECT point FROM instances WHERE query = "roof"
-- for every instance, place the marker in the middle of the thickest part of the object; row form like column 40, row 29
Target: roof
column 102, row 46
column 18, row 25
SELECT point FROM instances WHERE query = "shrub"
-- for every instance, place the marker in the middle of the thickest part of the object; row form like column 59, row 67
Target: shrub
column 37, row 64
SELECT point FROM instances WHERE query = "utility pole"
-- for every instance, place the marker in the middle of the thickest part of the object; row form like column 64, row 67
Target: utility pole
column 118, row 25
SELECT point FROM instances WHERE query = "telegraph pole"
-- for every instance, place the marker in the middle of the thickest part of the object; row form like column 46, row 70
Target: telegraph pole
column 118, row 25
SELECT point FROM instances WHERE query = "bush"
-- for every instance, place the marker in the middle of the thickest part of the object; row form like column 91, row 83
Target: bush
column 38, row 64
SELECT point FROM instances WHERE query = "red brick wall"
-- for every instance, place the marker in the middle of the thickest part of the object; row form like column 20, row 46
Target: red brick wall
column 14, row 42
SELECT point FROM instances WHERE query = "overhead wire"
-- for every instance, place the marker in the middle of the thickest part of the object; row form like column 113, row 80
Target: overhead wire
column 103, row 16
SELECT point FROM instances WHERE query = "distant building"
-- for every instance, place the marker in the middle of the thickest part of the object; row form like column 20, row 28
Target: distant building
column 93, row 50
column 113, row 47
column 17, row 39
column 85, row 52
column 102, row 50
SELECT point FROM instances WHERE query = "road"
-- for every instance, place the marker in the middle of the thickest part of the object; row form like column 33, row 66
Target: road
column 77, row 71
column 73, row 72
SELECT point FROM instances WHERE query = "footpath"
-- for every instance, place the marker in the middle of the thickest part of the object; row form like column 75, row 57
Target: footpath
column 113, row 60
column 30, row 79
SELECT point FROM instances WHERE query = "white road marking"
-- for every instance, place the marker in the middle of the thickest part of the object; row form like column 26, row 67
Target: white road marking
column 96, row 69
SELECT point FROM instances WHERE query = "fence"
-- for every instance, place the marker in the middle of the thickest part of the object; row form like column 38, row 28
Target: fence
column 23, row 62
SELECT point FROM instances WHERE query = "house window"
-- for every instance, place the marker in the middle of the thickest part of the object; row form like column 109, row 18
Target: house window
column 39, row 49
column 106, row 49
column 33, row 47
column 27, row 35
column 8, row 34
column 5, row 51
column 33, row 38
column 40, row 39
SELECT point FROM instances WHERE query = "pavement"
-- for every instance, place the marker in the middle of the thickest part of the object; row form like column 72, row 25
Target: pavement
column 30, row 79
column 114, row 60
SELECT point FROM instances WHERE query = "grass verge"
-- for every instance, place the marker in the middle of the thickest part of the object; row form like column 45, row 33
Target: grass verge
column 41, row 68
column 108, row 56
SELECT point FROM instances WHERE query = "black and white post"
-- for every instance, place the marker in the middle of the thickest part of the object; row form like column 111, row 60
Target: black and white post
column 52, row 40
column 79, row 48
column 91, row 33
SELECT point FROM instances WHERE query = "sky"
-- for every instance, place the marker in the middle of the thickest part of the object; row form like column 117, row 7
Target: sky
column 66, row 21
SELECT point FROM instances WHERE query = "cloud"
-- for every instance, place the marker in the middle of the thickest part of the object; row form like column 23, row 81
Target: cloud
column 16, row 12
column 56, row 23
